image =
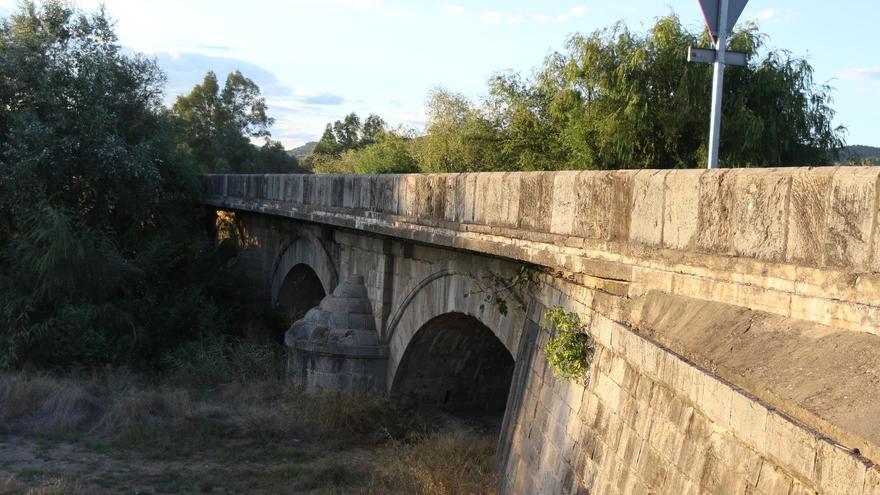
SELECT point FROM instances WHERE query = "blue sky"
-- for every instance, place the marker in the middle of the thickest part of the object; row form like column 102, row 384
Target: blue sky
column 317, row 60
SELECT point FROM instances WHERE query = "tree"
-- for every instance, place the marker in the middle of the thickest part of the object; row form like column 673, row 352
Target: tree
column 102, row 258
column 618, row 99
column 219, row 126
column 391, row 153
column 459, row 136
column 373, row 126
column 328, row 145
column 349, row 134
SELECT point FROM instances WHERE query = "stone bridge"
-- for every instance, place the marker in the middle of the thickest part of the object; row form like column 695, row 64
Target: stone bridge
column 736, row 314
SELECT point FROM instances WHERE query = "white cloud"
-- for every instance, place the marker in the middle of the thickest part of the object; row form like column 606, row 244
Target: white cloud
column 492, row 17
column 860, row 74
column 766, row 14
column 558, row 18
column 626, row 8
column 515, row 19
column 578, row 11
column 453, row 10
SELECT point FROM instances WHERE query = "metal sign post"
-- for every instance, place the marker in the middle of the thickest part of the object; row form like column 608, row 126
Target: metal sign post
column 718, row 86
column 721, row 16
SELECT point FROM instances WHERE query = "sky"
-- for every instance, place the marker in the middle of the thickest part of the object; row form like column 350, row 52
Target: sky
column 318, row 60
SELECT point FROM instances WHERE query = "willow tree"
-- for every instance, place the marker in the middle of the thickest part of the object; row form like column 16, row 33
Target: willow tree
column 620, row 99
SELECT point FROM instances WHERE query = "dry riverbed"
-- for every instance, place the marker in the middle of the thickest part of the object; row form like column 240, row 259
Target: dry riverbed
column 118, row 433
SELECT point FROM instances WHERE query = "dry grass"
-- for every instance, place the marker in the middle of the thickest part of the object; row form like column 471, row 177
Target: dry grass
column 114, row 431
column 52, row 486
column 445, row 463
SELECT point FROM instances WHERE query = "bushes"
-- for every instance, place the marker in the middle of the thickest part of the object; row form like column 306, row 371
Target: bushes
column 218, row 360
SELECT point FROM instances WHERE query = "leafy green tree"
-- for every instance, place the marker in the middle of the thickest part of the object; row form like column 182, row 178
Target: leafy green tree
column 102, row 259
column 347, row 131
column 219, row 125
column 459, row 137
column 373, row 126
column 328, row 145
column 349, row 134
column 391, row 153
column 619, row 99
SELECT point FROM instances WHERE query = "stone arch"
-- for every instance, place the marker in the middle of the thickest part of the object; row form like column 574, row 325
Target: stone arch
column 300, row 291
column 304, row 249
column 439, row 294
column 456, row 363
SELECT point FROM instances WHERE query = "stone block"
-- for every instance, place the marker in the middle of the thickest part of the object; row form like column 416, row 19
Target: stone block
column 748, row 421
column 646, row 215
column 772, row 481
column 469, row 202
column 681, row 208
column 838, row 471
column 850, row 217
column 759, row 214
column 807, row 213
column 714, row 219
column 679, row 484
column 603, row 205
column 536, row 201
column 716, row 400
column 652, row 467
column 791, row 446
column 666, row 439
column 593, row 210
column 872, row 481
column 565, row 202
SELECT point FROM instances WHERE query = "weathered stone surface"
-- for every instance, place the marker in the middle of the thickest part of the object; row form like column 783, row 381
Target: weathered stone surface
column 646, row 213
column 719, row 389
column 536, row 201
column 336, row 346
column 807, row 214
column 760, row 213
column 851, row 216
column 680, row 208
column 714, row 232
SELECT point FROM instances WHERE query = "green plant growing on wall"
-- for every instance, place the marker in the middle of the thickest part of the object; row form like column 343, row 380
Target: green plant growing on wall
column 570, row 351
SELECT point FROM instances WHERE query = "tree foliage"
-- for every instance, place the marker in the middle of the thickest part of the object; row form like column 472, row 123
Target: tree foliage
column 102, row 258
column 618, row 99
column 390, row 153
column 349, row 134
column 621, row 99
column 218, row 126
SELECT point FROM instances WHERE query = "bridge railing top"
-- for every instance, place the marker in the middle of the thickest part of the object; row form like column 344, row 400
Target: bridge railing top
column 818, row 217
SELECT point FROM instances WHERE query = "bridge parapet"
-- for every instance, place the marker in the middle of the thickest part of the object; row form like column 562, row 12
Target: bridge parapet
column 798, row 242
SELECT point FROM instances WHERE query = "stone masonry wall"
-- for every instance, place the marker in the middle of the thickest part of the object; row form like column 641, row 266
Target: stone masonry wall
column 649, row 421
column 658, row 414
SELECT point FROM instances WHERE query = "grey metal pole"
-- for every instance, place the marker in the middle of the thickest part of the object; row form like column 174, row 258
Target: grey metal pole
column 718, row 86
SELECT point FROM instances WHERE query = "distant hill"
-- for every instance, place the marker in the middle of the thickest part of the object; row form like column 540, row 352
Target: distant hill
column 858, row 152
column 303, row 151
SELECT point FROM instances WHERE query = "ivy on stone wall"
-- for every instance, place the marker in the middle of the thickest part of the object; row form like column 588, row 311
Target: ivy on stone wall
column 570, row 351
